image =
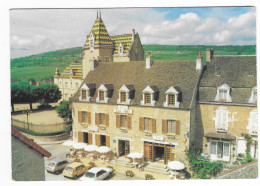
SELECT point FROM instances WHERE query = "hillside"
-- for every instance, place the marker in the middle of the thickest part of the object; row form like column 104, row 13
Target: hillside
column 42, row 66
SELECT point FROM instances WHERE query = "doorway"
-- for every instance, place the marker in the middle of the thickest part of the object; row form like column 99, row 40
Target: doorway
column 85, row 137
column 159, row 153
column 123, row 148
column 102, row 140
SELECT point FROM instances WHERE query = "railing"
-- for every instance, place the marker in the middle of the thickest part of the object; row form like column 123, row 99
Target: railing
column 40, row 128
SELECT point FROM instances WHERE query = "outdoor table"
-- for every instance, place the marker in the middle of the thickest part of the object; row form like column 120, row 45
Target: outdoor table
column 134, row 164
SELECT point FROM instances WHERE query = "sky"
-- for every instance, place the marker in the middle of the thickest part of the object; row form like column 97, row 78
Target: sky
column 34, row 31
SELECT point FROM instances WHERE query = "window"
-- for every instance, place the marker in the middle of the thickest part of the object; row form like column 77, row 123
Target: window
column 171, row 99
column 171, row 126
column 83, row 94
column 255, row 96
column 70, row 84
column 106, row 59
column 222, row 95
column 147, row 98
column 77, row 85
column 123, row 97
column 219, row 150
column 66, row 84
column 123, row 121
column 147, row 124
column 101, row 96
column 252, row 126
column 101, row 119
column 84, row 117
column 221, row 121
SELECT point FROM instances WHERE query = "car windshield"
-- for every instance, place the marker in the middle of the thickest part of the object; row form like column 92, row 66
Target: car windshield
column 89, row 174
column 51, row 165
column 69, row 169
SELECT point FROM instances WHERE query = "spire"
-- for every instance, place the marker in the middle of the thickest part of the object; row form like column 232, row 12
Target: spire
column 100, row 14
column 97, row 13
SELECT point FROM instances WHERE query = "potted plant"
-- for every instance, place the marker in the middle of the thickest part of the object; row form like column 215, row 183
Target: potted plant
column 92, row 164
column 129, row 173
column 111, row 167
column 149, row 177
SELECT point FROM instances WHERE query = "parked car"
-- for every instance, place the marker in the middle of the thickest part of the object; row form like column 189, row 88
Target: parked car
column 57, row 165
column 75, row 169
column 97, row 173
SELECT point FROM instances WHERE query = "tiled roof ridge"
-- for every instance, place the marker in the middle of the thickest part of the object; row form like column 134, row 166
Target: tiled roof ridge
column 30, row 142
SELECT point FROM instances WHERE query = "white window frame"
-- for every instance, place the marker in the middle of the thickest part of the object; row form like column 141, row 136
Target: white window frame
column 215, row 156
column 173, row 122
column 120, row 49
column 252, row 123
column 126, row 90
column 148, row 90
column 85, row 87
column 253, row 97
column 91, row 41
column 221, row 119
column 104, row 89
column 226, row 88
column 172, row 90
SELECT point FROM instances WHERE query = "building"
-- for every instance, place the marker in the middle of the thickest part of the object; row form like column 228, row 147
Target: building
column 99, row 47
column 27, row 158
column 227, row 107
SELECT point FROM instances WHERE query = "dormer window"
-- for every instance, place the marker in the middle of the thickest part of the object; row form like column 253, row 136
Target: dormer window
column 223, row 93
column 91, row 41
column 122, row 97
column 104, row 93
column 149, row 96
column 253, row 97
column 120, row 49
column 87, row 91
column 173, row 95
column 83, row 94
column 126, row 93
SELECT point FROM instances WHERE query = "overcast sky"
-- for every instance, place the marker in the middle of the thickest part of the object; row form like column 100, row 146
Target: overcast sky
column 40, row 30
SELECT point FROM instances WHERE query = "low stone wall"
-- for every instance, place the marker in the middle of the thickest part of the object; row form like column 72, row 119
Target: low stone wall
column 59, row 137
column 247, row 171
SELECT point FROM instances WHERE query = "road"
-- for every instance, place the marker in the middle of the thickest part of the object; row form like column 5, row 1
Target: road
column 58, row 150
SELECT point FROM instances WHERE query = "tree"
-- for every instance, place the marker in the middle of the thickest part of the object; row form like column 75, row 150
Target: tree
column 47, row 93
column 64, row 110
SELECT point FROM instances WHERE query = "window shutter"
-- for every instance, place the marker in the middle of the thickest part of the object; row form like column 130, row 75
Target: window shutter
column 89, row 117
column 129, row 122
column 80, row 137
column 79, row 116
column 89, row 138
column 178, row 128
column 141, row 124
column 107, row 120
column 97, row 139
column 97, row 119
column 108, row 141
column 153, row 125
column 164, row 126
column 117, row 121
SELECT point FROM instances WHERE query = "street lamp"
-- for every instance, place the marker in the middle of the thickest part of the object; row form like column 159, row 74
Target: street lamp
column 27, row 112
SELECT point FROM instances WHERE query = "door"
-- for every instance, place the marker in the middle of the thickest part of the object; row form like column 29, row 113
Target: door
column 169, row 153
column 148, row 152
column 127, row 148
column 219, row 151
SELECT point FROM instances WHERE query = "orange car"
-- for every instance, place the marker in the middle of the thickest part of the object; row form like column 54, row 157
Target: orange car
column 75, row 169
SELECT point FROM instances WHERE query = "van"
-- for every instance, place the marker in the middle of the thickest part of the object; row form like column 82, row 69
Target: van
column 57, row 165
column 75, row 169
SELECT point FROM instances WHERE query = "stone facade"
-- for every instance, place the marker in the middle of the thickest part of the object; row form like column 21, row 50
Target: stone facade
column 67, row 86
column 27, row 163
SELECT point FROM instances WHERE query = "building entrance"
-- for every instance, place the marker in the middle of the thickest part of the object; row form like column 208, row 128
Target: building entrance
column 102, row 140
column 159, row 153
column 123, row 148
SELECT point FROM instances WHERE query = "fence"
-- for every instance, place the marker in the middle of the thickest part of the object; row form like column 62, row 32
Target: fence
column 40, row 128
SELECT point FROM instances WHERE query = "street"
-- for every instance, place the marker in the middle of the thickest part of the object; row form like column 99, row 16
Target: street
column 58, row 150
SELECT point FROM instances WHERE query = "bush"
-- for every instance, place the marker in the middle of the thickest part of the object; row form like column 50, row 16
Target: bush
column 129, row 173
column 149, row 177
column 111, row 167
column 92, row 164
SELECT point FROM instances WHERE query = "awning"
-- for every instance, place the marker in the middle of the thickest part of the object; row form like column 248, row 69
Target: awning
column 227, row 136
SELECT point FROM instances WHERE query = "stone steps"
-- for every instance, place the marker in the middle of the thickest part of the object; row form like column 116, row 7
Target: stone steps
column 157, row 167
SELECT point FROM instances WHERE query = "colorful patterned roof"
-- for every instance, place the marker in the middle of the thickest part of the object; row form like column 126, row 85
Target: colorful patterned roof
column 77, row 70
column 125, row 39
column 101, row 35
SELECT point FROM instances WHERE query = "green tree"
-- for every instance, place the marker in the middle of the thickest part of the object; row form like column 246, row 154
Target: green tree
column 47, row 93
column 64, row 110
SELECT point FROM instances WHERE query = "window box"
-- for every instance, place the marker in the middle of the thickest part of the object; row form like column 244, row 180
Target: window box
column 102, row 127
column 147, row 133
column 84, row 125
column 171, row 136
column 125, row 130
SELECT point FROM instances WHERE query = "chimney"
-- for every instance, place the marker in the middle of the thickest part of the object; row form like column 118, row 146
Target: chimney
column 133, row 35
column 199, row 61
column 209, row 54
column 149, row 61
column 92, row 64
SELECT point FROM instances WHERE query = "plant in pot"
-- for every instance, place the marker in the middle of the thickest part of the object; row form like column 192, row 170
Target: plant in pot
column 129, row 173
column 92, row 164
column 149, row 177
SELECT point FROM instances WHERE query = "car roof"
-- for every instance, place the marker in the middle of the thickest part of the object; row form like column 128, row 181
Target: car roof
column 56, row 160
column 95, row 170
column 75, row 164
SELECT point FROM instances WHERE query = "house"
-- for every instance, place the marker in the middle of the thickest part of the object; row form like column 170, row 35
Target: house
column 99, row 47
column 27, row 158
column 227, row 107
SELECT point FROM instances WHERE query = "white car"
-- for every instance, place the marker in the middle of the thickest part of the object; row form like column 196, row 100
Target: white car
column 97, row 173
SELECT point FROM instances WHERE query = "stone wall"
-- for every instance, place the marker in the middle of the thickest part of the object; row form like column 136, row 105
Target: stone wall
column 248, row 171
column 27, row 163
column 59, row 137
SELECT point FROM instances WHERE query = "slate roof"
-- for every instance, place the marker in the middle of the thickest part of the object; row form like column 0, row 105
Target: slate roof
column 77, row 70
column 30, row 142
column 233, row 71
column 162, row 75
column 220, row 135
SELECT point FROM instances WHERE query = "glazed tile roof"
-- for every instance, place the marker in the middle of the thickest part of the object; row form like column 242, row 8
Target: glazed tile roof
column 125, row 39
column 77, row 70
column 233, row 71
column 30, row 142
column 162, row 74
column 101, row 35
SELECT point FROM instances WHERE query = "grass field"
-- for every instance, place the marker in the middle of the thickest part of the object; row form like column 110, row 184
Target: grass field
column 42, row 66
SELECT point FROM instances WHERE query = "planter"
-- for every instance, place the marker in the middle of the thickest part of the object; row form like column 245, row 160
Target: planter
column 170, row 136
column 102, row 127
column 149, row 177
column 147, row 133
column 123, row 130
column 129, row 173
